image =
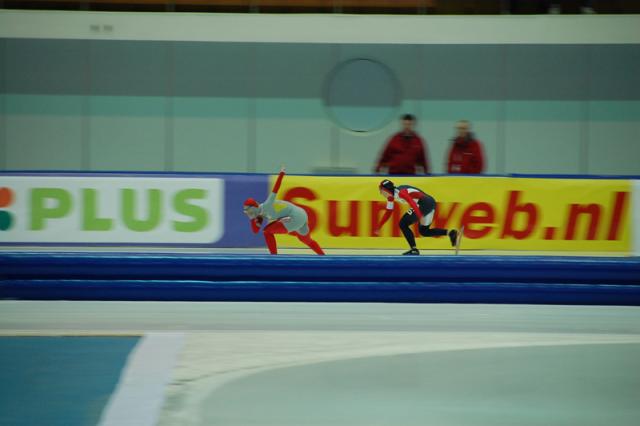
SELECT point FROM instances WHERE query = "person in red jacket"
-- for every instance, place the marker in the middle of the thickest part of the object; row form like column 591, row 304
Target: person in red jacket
column 465, row 154
column 405, row 152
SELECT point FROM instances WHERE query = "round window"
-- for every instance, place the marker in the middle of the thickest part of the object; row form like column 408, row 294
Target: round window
column 362, row 95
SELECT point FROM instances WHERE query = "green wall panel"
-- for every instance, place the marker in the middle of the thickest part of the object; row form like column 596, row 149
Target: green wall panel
column 614, row 137
column 294, row 132
column 544, row 137
column 210, row 134
column 43, row 132
column 128, row 133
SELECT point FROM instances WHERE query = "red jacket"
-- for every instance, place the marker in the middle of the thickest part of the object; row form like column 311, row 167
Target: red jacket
column 402, row 154
column 466, row 156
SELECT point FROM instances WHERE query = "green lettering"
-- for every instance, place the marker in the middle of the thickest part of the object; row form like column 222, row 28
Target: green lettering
column 40, row 212
column 90, row 219
column 129, row 210
column 199, row 214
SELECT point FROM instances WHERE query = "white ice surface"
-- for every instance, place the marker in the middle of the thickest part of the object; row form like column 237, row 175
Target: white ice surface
column 227, row 342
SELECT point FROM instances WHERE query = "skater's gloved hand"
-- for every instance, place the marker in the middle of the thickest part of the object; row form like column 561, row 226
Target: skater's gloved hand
column 255, row 224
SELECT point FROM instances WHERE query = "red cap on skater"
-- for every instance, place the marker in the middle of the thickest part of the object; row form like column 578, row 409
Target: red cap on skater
column 250, row 202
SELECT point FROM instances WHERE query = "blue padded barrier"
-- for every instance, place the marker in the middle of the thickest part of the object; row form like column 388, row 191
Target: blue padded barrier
column 599, row 270
column 451, row 279
column 323, row 291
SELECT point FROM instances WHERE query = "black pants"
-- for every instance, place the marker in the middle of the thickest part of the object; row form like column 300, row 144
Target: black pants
column 426, row 205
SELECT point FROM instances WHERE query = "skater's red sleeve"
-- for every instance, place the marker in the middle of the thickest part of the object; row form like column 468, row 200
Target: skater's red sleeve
column 276, row 186
column 406, row 196
column 387, row 215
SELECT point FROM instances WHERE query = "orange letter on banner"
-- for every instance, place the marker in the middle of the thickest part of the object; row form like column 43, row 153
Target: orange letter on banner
column 513, row 207
column 306, row 194
column 477, row 213
column 441, row 220
column 618, row 208
column 395, row 219
column 352, row 227
column 376, row 207
column 577, row 209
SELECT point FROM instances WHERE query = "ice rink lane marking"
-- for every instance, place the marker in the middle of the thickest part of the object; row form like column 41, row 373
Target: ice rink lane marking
column 209, row 361
column 139, row 394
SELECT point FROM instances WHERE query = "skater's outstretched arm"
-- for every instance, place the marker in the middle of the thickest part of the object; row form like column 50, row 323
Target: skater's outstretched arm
column 276, row 187
column 387, row 214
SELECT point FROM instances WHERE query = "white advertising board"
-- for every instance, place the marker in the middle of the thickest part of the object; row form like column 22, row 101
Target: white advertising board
column 111, row 209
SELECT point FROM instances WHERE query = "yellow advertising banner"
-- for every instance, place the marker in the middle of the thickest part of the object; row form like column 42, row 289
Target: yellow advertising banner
column 498, row 213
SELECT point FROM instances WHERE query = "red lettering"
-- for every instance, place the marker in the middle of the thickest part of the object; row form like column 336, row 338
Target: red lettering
column 549, row 233
column 513, row 208
column 306, row 194
column 395, row 219
column 351, row 228
column 575, row 210
column 478, row 213
column 442, row 217
column 377, row 210
column 619, row 204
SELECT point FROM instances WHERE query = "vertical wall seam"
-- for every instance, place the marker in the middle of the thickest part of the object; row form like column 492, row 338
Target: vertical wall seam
column 584, row 138
column 85, row 126
column 252, row 135
column 334, row 154
column 252, row 126
column 586, row 117
column 3, row 108
column 422, row 89
column 501, row 133
column 169, row 151
column 335, row 147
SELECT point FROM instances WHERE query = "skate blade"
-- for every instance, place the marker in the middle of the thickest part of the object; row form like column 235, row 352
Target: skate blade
column 459, row 239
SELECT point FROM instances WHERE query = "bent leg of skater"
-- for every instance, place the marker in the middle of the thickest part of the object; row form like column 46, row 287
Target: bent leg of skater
column 310, row 242
column 275, row 227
